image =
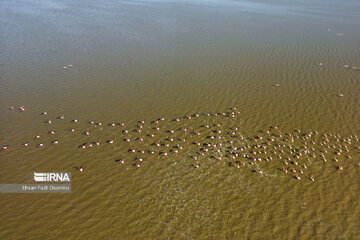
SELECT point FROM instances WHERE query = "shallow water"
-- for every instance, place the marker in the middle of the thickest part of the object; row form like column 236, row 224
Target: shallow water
column 143, row 60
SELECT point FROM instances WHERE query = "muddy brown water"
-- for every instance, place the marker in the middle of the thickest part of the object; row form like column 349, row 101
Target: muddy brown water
column 279, row 64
